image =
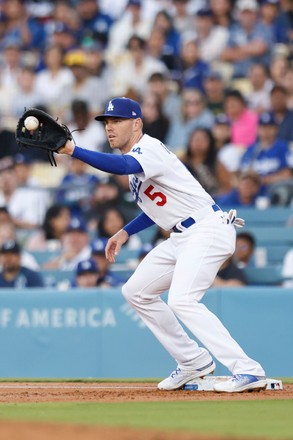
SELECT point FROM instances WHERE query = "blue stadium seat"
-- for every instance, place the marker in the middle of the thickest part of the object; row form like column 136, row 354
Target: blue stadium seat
column 264, row 276
column 271, row 235
column 273, row 216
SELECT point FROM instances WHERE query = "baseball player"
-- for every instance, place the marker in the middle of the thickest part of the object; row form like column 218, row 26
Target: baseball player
column 186, row 264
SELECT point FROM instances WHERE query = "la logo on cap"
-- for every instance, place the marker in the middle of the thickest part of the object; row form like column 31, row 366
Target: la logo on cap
column 110, row 107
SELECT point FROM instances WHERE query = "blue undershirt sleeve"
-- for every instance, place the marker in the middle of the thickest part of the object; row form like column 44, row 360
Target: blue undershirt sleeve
column 140, row 223
column 110, row 163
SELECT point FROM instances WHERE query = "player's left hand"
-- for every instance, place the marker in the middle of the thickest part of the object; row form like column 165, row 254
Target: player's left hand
column 231, row 218
column 114, row 245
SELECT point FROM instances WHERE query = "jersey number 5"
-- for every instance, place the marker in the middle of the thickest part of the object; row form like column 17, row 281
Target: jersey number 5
column 156, row 194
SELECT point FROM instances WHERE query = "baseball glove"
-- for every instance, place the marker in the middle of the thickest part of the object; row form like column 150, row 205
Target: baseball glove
column 48, row 136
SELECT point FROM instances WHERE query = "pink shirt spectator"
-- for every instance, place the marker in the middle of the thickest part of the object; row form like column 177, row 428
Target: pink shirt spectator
column 244, row 129
column 243, row 121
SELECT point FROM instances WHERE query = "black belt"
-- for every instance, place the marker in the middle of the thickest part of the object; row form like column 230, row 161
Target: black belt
column 190, row 220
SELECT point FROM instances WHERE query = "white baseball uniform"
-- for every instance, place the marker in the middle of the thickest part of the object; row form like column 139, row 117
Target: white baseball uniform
column 186, row 264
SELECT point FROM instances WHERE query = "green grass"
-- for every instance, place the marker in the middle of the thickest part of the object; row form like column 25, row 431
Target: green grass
column 259, row 418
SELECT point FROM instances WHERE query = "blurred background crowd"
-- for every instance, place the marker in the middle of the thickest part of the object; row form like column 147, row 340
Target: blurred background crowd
column 215, row 82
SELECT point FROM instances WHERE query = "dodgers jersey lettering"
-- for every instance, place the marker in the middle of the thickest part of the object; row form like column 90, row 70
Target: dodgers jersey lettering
column 166, row 191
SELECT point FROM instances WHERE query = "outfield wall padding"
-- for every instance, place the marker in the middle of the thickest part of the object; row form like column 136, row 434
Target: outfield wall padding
column 95, row 334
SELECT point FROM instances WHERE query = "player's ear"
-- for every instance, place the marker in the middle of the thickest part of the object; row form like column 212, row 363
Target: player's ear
column 137, row 124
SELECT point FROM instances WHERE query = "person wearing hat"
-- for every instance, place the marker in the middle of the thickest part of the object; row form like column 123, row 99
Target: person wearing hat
column 269, row 156
column 202, row 238
column 75, row 246
column 86, row 274
column 250, row 41
column 13, row 274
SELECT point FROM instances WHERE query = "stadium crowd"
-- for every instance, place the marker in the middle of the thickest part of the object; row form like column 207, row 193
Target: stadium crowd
column 215, row 82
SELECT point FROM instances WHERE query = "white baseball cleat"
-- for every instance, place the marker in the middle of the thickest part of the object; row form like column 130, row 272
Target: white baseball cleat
column 180, row 377
column 240, row 383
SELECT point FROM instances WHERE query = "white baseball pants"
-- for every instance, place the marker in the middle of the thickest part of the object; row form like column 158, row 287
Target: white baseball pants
column 186, row 264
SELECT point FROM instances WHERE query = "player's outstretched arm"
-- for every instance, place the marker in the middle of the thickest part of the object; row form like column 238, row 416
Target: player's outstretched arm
column 110, row 163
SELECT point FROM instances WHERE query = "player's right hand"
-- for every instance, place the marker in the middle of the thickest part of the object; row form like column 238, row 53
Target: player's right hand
column 114, row 245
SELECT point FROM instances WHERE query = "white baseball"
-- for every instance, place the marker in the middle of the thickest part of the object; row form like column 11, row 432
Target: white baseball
column 31, row 123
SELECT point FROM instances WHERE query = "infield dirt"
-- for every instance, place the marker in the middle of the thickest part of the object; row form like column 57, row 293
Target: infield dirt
column 107, row 392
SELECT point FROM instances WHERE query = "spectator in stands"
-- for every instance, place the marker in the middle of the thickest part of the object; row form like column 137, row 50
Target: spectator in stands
column 99, row 67
column 26, row 94
column 161, row 85
column 258, row 97
column 63, row 25
column 8, row 232
column 132, row 73
column 281, row 113
column 249, row 42
column 111, row 221
column 269, row 155
column 84, row 87
column 164, row 22
column 155, row 122
column 279, row 65
column 86, row 130
column 21, row 27
column 228, row 154
column 86, row 274
column 244, row 250
column 130, row 23
column 106, row 194
column 214, row 89
column 76, row 187
column 211, row 38
column 268, row 14
column 287, row 269
column 200, row 158
column 26, row 205
column 244, row 122
column 159, row 50
column 106, row 275
column 193, row 68
column 13, row 274
column 230, row 275
column 284, row 23
column 23, row 170
column 245, row 193
column 194, row 114
column 53, row 83
column 222, row 11
column 63, row 36
column 94, row 23
column 182, row 19
column 55, row 225
column 75, row 247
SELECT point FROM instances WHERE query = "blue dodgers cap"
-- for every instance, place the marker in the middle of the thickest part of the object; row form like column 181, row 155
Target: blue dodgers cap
column 87, row 266
column 77, row 224
column 267, row 119
column 99, row 246
column 125, row 108
column 10, row 246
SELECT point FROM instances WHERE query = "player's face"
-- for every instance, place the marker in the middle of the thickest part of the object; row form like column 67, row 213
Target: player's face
column 121, row 133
